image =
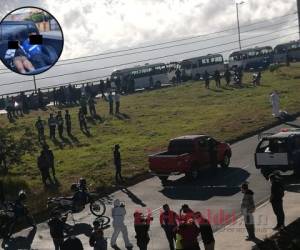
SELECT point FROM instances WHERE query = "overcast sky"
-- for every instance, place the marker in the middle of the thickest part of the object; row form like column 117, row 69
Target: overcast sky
column 95, row 26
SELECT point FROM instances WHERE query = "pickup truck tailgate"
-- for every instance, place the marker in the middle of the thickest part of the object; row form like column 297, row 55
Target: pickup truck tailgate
column 269, row 159
column 168, row 163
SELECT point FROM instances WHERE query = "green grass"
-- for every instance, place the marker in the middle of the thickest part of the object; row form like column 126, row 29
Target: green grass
column 154, row 118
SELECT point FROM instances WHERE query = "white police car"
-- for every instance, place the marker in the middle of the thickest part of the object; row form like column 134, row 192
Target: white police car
column 280, row 151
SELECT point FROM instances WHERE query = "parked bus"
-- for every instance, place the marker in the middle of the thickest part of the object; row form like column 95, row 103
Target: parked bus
column 194, row 68
column 142, row 75
column 289, row 50
column 251, row 59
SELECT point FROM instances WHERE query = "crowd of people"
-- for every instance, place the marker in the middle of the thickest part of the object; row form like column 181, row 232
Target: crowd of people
column 182, row 230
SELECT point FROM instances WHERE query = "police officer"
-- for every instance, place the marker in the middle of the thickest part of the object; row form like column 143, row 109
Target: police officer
column 227, row 76
column 41, row 130
column 111, row 103
column 276, row 199
column 20, row 211
column 178, row 76
column 206, row 79
column 217, row 77
column 57, row 228
column 68, row 122
column 117, row 162
column 82, row 120
column 60, row 124
column 92, row 107
column 52, row 126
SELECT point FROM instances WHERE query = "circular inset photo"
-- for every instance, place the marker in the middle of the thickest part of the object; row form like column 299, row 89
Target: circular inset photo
column 31, row 40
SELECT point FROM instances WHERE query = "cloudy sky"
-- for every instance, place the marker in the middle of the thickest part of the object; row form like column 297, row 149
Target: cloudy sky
column 96, row 26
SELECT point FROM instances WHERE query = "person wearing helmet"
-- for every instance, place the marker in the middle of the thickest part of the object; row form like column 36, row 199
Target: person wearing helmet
column 20, row 212
column 118, row 215
column 57, row 228
column 97, row 240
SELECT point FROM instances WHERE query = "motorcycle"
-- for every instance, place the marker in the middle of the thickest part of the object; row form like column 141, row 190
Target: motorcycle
column 71, row 204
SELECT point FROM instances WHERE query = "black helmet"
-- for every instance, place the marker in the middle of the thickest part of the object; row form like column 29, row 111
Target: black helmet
column 22, row 195
column 82, row 182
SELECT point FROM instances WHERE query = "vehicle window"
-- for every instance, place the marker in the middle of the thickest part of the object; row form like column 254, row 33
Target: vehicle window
column 13, row 32
column 181, row 146
column 273, row 146
column 264, row 146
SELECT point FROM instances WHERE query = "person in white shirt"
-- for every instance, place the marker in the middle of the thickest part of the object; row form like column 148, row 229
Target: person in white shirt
column 275, row 101
column 118, row 215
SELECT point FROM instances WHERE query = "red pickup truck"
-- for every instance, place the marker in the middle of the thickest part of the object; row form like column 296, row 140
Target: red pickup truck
column 189, row 155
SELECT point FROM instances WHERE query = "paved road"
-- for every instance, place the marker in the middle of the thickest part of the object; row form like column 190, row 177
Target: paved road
column 210, row 194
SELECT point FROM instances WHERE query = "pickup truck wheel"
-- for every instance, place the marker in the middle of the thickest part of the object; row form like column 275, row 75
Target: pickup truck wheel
column 226, row 161
column 193, row 174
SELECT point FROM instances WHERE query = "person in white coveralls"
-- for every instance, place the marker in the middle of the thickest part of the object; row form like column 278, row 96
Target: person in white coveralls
column 275, row 101
column 118, row 215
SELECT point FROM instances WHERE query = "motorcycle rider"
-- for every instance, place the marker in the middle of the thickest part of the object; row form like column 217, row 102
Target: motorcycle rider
column 118, row 215
column 20, row 211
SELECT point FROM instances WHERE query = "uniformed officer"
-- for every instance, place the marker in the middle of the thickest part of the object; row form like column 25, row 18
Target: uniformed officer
column 41, row 130
column 82, row 120
column 60, row 124
column 52, row 126
column 68, row 122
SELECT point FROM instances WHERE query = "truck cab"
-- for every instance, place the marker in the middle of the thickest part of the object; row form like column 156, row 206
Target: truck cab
column 279, row 152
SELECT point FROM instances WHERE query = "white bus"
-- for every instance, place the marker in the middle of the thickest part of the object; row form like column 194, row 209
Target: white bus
column 291, row 50
column 142, row 75
column 194, row 68
column 254, row 58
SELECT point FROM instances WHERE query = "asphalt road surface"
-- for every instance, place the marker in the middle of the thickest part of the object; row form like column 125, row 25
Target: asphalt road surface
column 212, row 195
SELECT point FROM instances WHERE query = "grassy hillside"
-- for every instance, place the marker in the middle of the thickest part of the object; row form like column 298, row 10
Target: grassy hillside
column 150, row 119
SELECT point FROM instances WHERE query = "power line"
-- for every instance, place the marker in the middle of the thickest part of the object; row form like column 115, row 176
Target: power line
column 162, row 48
column 177, row 40
column 224, row 51
column 161, row 57
column 168, row 42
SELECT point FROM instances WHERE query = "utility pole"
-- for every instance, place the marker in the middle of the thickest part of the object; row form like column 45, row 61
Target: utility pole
column 298, row 7
column 34, row 82
column 238, row 22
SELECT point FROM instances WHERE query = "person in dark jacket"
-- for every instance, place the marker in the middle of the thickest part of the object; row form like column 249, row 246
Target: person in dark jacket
column 72, row 243
column 40, row 129
column 20, row 211
column 217, row 77
column 68, row 123
column 227, row 76
column 206, row 231
column 247, row 209
column 60, row 124
column 141, row 227
column 92, row 107
column 276, row 199
column 97, row 240
column 118, row 165
column 57, row 228
column 82, row 121
column 52, row 126
column 49, row 158
column 169, row 222
column 206, row 79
